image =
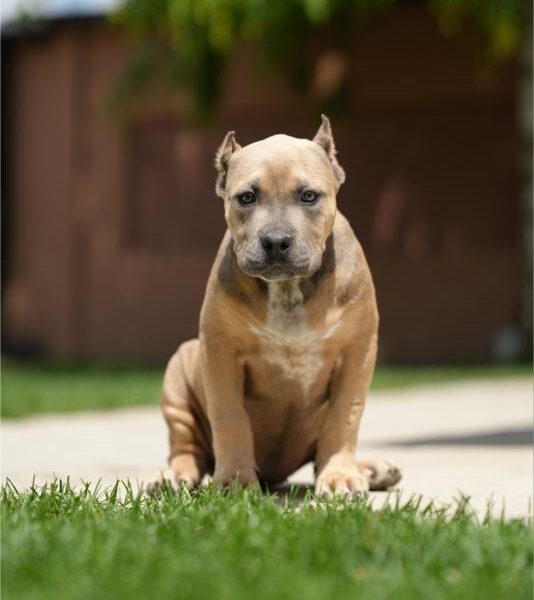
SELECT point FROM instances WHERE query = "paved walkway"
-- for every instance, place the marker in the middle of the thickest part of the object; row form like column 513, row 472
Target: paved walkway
column 473, row 437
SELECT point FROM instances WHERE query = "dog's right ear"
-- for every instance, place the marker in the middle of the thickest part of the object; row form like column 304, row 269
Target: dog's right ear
column 222, row 161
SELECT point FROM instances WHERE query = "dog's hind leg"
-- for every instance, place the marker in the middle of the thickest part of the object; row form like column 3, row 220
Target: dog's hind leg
column 380, row 474
column 190, row 455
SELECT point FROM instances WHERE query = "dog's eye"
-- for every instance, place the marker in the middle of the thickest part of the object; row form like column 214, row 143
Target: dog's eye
column 246, row 198
column 309, row 196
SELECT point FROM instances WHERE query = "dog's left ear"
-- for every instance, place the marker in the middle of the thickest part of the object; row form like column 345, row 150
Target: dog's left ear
column 325, row 139
column 222, row 160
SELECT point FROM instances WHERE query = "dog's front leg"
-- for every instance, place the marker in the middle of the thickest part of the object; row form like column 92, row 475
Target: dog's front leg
column 337, row 470
column 233, row 444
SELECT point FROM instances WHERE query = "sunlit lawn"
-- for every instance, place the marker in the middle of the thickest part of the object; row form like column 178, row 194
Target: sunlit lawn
column 79, row 545
column 211, row 545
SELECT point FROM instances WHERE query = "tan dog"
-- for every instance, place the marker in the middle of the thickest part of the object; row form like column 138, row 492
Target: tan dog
column 288, row 330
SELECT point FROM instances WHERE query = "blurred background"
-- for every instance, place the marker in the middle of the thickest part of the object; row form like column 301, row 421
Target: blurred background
column 112, row 114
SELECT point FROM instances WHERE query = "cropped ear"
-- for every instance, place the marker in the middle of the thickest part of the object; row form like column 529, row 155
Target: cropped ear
column 222, row 161
column 325, row 139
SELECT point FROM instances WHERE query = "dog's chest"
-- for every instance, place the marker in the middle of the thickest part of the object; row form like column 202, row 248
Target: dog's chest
column 286, row 339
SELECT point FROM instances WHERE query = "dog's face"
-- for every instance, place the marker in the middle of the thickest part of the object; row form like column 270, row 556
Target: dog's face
column 280, row 201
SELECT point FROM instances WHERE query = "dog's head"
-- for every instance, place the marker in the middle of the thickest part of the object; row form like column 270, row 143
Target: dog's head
column 280, row 201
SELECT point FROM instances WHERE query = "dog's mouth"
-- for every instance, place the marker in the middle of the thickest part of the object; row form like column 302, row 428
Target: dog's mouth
column 275, row 271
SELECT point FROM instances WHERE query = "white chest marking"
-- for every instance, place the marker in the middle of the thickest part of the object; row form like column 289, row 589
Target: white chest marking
column 287, row 340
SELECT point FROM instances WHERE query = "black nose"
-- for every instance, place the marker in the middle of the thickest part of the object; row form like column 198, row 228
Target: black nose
column 276, row 245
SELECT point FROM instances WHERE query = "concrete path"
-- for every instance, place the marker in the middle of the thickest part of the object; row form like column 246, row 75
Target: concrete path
column 473, row 438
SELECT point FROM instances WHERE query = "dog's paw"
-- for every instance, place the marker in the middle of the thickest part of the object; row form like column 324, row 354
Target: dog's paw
column 167, row 478
column 344, row 481
column 382, row 475
column 243, row 477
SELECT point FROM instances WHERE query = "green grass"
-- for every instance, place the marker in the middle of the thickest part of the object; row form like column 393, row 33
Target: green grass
column 29, row 388
column 214, row 545
column 41, row 388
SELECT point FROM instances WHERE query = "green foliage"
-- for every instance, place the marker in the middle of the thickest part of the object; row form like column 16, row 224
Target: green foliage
column 502, row 21
column 61, row 543
column 191, row 40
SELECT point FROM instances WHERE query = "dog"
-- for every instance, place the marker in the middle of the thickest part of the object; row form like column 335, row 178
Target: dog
column 286, row 351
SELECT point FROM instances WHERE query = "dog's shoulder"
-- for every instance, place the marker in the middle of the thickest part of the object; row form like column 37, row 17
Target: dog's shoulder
column 344, row 274
column 354, row 288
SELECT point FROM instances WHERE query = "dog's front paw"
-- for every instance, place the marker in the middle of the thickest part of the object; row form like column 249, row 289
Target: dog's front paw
column 172, row 479
column 346, row 481
column 242, row 476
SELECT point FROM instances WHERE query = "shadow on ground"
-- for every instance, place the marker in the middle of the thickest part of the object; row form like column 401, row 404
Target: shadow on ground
column 520, row 436
column 297, row 491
